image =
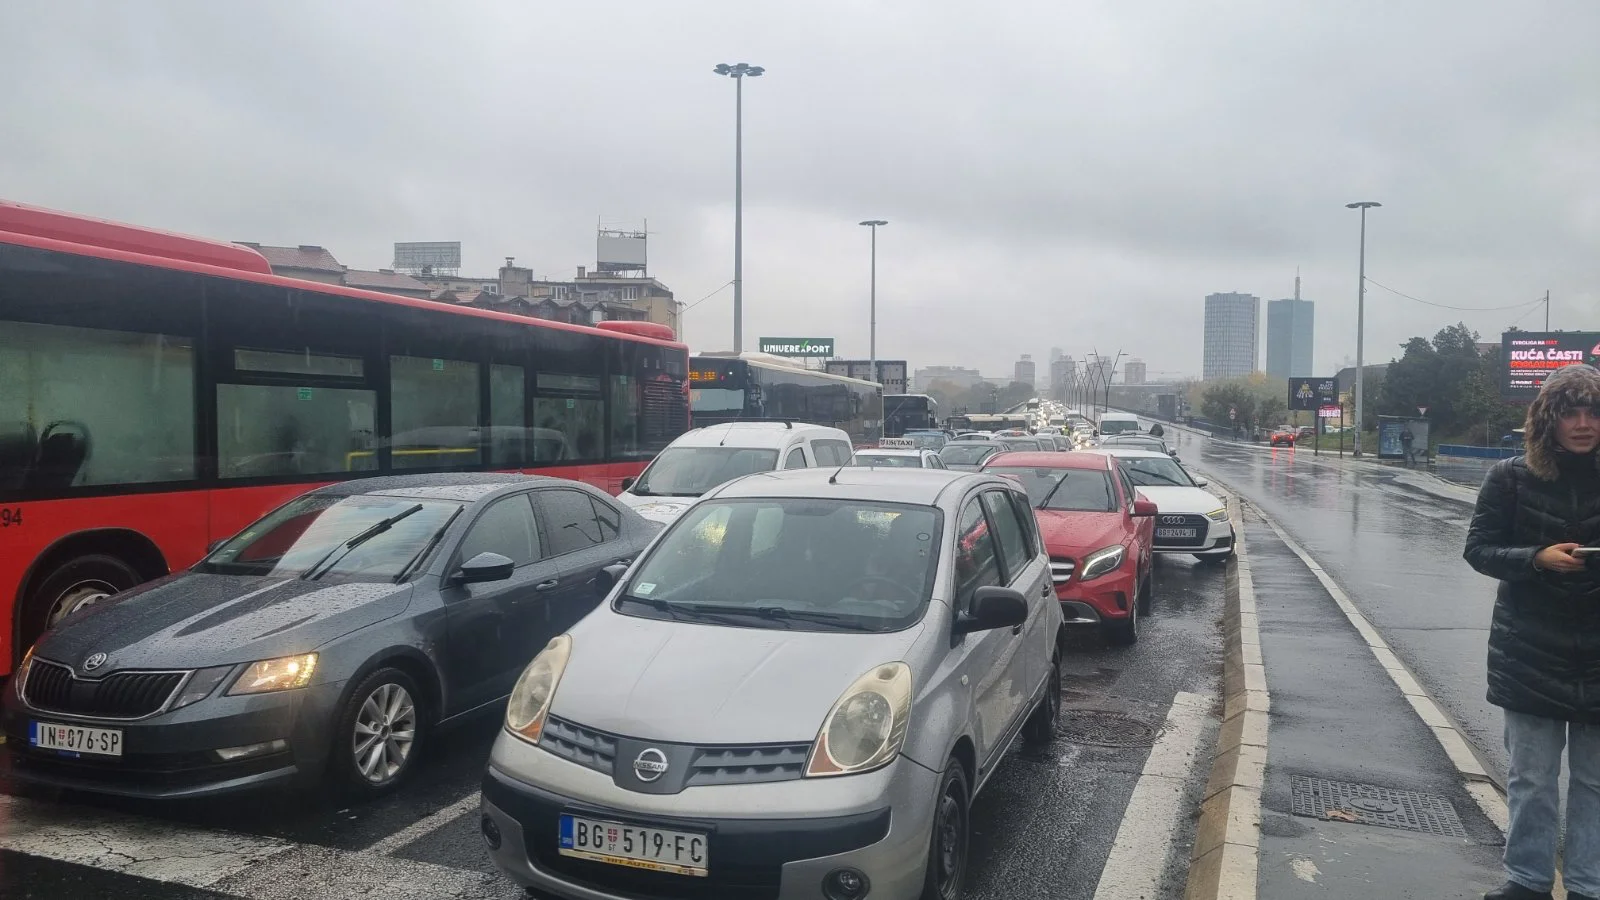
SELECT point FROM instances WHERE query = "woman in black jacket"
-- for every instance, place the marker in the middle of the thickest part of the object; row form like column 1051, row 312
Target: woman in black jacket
column 1536, row 515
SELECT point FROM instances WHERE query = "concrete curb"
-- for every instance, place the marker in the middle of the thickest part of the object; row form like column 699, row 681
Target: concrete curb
column 1223, row 863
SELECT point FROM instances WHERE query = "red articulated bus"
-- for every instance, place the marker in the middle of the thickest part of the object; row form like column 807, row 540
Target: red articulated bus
column 159, row 392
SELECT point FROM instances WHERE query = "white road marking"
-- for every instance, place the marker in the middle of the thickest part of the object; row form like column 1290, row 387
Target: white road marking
column 131, row 845
column 1155, row 811
column 426, row 824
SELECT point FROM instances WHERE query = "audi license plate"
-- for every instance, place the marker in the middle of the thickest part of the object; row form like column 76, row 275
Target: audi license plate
column 1190, row 533
column 76, row 738
column 656, row 849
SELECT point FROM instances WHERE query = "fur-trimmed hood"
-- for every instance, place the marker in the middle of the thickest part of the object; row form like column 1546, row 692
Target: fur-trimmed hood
column 1567, row 387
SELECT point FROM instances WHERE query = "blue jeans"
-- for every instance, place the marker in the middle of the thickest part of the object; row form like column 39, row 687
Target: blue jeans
column 1535, row 744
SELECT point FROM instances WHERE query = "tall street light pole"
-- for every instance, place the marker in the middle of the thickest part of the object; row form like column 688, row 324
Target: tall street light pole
column 738, row 72
column 1361, row 314
column 872, row 333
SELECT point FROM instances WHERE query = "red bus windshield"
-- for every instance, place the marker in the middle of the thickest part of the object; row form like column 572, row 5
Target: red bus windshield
column 154, row 405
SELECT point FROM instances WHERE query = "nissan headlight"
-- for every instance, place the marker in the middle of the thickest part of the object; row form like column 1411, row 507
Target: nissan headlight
column 281, row 674
column 1103, row 562
column 1218, row 515
column 530, row 699
column 866, row 728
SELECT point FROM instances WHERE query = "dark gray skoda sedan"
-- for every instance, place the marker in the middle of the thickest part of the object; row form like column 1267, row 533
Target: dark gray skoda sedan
column 329, row 638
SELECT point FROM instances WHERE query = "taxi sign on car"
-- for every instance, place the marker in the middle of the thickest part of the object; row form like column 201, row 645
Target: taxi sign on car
column 897, row 444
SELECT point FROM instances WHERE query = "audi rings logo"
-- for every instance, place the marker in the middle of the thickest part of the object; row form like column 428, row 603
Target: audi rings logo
column 1174, row 520
column 95, row 661
column 650, row 764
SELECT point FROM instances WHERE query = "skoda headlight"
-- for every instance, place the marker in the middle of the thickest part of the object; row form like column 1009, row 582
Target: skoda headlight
column 1102, row 562
column 866, row 728
column 281, row 674
column 1218, row 515
column 21, row 674
column 530, row 699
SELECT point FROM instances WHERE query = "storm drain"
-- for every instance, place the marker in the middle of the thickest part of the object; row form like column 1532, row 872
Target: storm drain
column 1366, row 804
column 1101, row 728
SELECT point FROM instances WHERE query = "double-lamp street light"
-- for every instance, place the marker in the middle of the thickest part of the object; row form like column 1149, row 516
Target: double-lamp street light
column 738, row 72
column 1361, row 314
column 872, row 334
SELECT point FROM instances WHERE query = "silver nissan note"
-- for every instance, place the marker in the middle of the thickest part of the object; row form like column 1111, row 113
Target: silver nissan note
column 796, row 691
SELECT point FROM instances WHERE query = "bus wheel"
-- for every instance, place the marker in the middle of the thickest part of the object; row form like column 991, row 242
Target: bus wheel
column 76, row 584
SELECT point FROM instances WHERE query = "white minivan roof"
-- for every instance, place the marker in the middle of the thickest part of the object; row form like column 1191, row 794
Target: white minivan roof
column 755, row 434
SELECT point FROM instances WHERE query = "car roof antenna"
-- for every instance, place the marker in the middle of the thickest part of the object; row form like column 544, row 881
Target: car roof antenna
column 833, row 479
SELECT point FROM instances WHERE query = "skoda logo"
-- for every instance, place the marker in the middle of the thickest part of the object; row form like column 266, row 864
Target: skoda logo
column 1173, row 520
column 650, row 764
column 95, row 661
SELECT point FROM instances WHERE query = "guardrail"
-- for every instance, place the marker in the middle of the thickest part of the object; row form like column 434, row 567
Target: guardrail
column 1469, row 452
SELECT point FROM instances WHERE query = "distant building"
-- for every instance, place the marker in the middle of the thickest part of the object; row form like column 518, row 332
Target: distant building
column 1023, row 371
column 957, row 375
column 1291, row 328
column 1232, row 335
column 307, row 262
column 891, row 372
column 589, row 298
column 388, row 281
column 1063, row 374
column 1055, row 353
column 1133, row 372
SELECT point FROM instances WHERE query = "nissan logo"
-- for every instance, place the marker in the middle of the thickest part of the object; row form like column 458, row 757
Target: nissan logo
column 650, row 764
column 95, row 661
column 1174, row 520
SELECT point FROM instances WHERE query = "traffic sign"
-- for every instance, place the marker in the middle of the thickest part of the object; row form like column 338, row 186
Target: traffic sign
column 1233, row 412
column 1422, row 410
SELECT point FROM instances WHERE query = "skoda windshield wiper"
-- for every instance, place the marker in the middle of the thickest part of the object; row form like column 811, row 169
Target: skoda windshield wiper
column 340, row 551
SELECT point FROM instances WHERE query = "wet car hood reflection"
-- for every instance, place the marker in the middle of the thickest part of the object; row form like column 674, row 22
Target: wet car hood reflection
column 710, row 684
column 194, row 620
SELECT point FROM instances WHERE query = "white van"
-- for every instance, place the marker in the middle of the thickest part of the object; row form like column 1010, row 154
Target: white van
column 1119, row 423
column 702, row 458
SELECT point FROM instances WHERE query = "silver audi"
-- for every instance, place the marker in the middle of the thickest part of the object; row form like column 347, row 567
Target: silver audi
column 796, row 691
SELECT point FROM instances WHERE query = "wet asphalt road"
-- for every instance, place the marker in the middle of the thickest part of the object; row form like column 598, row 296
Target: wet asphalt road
column 1395, row 550
column 1044, row 825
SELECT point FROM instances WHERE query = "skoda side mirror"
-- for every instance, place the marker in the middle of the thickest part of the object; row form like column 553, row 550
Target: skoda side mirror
column 485, row 567
column 1201, row 482
column 993, row 607
column 629, row 482
column 607, row 578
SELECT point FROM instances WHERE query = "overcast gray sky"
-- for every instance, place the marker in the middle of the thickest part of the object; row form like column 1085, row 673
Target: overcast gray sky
column 1076, row 174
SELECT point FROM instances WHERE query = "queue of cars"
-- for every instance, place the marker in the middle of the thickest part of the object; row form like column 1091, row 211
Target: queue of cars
column 774, row 665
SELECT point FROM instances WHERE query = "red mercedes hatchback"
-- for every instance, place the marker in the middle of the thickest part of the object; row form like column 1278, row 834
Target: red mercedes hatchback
column 1099, row 531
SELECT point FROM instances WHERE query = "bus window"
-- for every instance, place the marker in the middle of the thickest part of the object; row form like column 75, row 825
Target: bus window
column 568, row 418
column 85, row 406
column 273, row 430
column 508, row 419
column 439, row 396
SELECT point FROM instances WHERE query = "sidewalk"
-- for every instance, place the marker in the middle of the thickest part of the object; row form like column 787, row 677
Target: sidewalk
column 1336, row 775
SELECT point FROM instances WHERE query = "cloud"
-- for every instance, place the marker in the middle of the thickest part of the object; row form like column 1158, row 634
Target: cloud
column 1075, row 175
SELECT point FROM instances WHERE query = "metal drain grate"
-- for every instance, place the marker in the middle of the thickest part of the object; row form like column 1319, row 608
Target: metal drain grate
column 1105, row 729
column 1343, row 801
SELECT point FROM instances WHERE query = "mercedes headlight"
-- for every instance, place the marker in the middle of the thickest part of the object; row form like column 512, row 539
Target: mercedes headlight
column 1102, row 562
column 530, row 699
column 866, row 728
column 281, row 674
column 1218, row 515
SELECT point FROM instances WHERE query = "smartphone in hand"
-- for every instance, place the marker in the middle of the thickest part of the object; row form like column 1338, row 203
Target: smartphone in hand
column 1581, row 552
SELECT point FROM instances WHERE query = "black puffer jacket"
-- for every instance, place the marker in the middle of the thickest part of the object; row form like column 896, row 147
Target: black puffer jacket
column 1544, row 643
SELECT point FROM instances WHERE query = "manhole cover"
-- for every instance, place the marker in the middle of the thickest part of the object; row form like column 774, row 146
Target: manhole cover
column 1343, row 801
column 1105, row 729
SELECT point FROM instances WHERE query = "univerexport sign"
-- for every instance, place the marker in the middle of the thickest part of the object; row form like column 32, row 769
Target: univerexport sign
column 1528, row 357
column 789, row 346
